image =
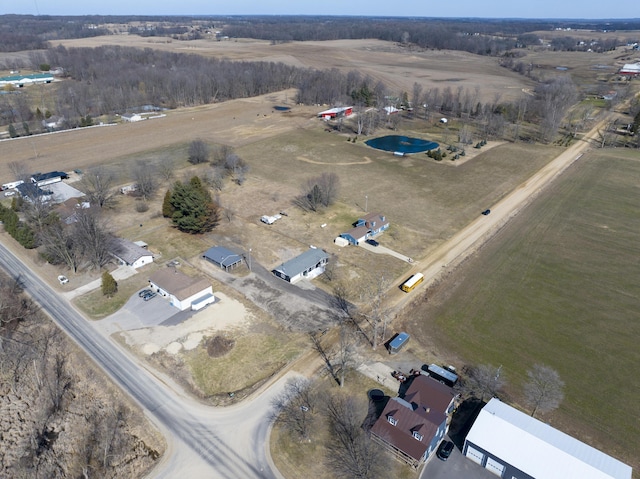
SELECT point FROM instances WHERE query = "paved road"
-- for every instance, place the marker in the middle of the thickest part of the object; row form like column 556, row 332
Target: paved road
column 203, row 442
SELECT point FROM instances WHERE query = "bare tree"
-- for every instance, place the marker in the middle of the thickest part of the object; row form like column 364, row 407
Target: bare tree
column 543, row 391
column 350, row 451
column 220, row 153
column 344, row 352
column 19, row 170
column 92, row 237
column 294, row 408
column 98, row 185
column 198, row 152
column 483, row 381
column 377, row 314
column 325, row 354
column 145, row 180
column 166, row 167
column 60, row 245
column 318, row 192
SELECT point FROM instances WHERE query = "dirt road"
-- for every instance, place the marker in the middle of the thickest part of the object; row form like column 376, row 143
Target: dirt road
column 464, row 243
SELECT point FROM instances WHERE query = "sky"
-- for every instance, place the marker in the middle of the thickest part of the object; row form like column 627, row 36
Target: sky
column 584, row 9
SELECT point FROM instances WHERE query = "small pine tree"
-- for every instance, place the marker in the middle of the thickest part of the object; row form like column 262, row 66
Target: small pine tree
column 109, row 285
column 12, row 131
column 167, row 207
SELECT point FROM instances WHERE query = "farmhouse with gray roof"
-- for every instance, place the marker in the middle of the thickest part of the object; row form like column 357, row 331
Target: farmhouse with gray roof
column 308, row 265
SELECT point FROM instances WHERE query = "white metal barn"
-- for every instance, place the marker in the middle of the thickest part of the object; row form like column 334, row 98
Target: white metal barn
column 184, row 292
column 514, row 445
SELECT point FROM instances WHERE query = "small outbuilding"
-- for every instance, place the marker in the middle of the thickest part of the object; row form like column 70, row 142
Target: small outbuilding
column 308, row 265
column 510, row 443
column 223, row 257
column 397, row 343
column 184, row 292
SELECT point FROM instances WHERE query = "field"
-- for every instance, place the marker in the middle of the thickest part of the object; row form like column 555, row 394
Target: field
column 558, row 286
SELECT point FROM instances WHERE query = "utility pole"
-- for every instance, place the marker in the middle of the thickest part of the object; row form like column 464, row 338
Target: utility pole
column 366, row 203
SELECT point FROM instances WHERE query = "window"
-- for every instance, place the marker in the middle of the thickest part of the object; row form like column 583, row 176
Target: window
column 392, row 420
column 417, row 435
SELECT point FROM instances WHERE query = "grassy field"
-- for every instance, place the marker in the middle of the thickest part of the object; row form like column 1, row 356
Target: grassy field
column 559, row 286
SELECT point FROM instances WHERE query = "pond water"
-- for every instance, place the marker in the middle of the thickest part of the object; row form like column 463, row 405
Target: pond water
column 402, row 144
column 282, row 108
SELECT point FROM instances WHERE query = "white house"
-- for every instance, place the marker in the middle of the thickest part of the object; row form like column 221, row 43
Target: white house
column 308, row 265
column 133, row 117
column 184, row 292
column 514, row 445
column 130, row 253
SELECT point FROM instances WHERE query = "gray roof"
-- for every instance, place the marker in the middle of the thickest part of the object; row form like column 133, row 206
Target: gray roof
column 303, row 262
column 127, row 251
column 222, row 256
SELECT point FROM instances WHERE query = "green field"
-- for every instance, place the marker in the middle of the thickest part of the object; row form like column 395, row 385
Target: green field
column 560, row 286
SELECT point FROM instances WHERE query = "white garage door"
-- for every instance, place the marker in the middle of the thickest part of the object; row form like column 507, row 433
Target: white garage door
column 475, row 455
column 495, row 467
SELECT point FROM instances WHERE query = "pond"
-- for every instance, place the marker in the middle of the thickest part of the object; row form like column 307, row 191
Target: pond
column 282, row 108
column 402, row 144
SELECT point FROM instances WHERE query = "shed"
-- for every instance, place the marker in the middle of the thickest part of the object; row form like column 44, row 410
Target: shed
column 397, row 343
column 308, row 265
column 510, row 443
column 223, row 257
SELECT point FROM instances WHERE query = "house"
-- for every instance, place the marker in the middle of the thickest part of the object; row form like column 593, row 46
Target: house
column 43, row 179
column 390, row 110
column 366, row 227
column 413, row 425
column 53, row 122
column 184, row 292
column 223, row 257
column 336, row 112
column 308, row 265
column 31, row 191
column 132, row 117
column 512, row 444
column 130, row 254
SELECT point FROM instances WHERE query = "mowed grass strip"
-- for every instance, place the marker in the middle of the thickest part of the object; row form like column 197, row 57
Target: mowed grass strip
column 560, row 286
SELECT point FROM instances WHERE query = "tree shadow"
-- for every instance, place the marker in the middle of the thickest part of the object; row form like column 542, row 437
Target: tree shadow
column 463, row 419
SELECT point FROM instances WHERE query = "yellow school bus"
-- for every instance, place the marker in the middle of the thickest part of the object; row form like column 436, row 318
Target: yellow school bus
column 412, row 282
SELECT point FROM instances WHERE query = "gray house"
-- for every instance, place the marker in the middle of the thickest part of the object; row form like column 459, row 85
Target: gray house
column 366, row 227
column 308, row 265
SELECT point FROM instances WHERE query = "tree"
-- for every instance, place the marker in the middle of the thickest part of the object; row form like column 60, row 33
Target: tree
column 294, row 408
column 60, row 245
column 145, row 180
column 93, row 239
column 351, row 451
column 12, row 131
column 194, row 211
column 318, row 192
column 378, row 314
column 109, row 284
column 543, row 391
column 98, row 185
column 483, row 381
column 167, row 207
column 198, row 152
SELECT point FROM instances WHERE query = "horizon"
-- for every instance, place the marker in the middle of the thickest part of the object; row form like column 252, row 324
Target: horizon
column 543, row 10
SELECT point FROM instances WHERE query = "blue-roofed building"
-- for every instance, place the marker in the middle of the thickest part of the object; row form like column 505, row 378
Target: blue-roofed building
column 308, row 265
column 21, row 80
column 513, row 444
column 223, row 257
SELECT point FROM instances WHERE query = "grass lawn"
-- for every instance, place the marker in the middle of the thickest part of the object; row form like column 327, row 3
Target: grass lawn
column 254, row 358
column 559, row 286
column 296, row 458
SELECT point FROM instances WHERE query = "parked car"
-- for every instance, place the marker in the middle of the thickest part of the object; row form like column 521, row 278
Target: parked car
column 372, row 242
column 144, row 292
column 445, row 449
column 149, row 296
column 486, row 212
column 9, row 193
column 63, row 279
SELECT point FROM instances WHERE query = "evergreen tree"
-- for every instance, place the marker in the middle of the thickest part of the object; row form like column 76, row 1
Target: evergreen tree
column 12, row 131
column 194, row 211
column 109, row 284
column 167, row 207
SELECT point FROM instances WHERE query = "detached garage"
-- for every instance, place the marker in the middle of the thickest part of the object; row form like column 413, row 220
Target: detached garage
column 514, row 445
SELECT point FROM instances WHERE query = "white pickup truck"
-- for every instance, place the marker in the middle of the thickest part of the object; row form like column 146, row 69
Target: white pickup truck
column 270, row 219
